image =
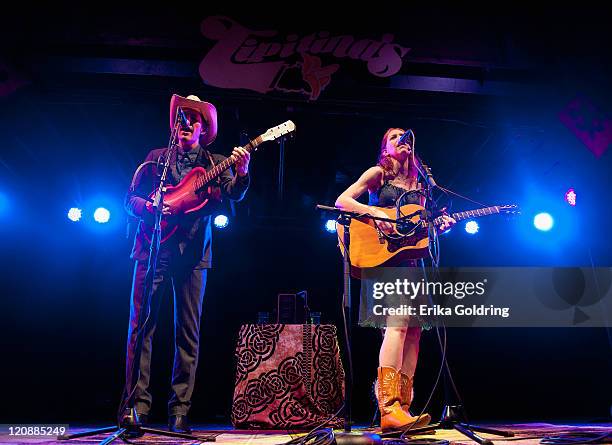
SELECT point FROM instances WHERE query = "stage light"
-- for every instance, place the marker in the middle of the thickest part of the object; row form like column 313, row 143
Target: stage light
column 471, row 227
column 221, row 221
column 330, row 225
column 570, row 197
column 101, row 215
column 75, row 214
column 543, row 221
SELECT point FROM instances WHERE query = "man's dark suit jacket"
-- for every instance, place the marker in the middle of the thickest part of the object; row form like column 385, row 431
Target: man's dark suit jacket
column 194, row 235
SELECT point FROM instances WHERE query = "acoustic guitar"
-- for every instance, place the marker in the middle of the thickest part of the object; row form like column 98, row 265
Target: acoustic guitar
column 371, row 247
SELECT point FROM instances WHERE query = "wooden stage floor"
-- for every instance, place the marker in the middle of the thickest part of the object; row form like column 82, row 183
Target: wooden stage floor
column 525, row 434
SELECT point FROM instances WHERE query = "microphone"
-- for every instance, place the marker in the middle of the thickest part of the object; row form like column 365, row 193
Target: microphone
column 405, row 137
column 184, row 122
column 423, row 169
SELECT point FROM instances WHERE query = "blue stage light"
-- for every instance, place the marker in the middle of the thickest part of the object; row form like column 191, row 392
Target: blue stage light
column 471, row 227
column 330, row 225
column 543, row 221
column 101, row 215
column 221, row 221
column 75, row 214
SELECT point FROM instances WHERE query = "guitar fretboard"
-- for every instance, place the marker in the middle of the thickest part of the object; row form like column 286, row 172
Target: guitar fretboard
column 470, row 214
column 222, row 166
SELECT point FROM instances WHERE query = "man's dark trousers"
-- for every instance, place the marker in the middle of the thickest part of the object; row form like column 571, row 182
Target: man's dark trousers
column 188, row 284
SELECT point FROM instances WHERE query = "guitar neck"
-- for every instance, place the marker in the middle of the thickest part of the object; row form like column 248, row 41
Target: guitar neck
column 214, row 172
column 470, row 214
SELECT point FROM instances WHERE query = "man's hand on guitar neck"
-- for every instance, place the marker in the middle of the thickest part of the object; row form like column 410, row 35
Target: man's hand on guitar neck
column 242, row 160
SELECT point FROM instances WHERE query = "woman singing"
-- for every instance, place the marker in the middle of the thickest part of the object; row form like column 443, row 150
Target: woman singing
column 395, row 177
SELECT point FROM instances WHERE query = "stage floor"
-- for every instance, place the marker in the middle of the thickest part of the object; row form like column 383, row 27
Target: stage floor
column 525, row 434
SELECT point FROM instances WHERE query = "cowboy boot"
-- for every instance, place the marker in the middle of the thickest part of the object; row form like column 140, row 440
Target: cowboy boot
column 406, row 396
column 392, row 417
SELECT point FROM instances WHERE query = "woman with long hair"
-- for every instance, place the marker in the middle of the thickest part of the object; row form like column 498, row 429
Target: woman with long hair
column 393, row 178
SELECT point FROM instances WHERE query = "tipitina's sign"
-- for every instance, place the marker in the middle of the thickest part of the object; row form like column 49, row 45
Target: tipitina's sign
column 263, row 61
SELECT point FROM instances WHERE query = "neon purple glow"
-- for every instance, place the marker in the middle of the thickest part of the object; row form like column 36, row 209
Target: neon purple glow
column 570, row 197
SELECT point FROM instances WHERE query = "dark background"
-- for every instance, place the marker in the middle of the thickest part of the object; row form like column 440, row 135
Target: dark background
column 73, row 138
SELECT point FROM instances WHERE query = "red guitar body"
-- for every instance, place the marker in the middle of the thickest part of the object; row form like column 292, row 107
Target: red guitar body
column 183, row 199
column 193, row 192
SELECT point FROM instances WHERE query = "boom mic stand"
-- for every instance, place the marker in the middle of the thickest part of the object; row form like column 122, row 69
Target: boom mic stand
column 129, row 425
column 344, row 218
column 452, row 415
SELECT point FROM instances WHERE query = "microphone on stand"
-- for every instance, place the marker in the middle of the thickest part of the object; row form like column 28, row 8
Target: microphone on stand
column 405, row 137
column 184, row 122
column 423, row 169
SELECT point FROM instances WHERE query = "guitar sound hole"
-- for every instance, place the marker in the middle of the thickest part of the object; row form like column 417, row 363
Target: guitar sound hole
column 405, row 227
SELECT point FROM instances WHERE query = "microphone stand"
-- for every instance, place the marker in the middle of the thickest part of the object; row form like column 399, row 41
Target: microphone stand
column 129, row 425
column 453, row 416
column 344, row 218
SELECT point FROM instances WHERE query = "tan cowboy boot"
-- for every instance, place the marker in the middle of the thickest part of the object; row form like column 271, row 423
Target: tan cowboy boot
column 406, row 395
column 392, row 417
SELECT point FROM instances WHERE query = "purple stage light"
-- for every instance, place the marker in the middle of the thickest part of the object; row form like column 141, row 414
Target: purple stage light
column 570, row 197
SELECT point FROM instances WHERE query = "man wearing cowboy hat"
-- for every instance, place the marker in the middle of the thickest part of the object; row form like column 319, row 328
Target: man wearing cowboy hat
column 183, row 260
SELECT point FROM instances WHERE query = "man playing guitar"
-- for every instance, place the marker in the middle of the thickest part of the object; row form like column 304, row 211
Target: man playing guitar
column 184, row 257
